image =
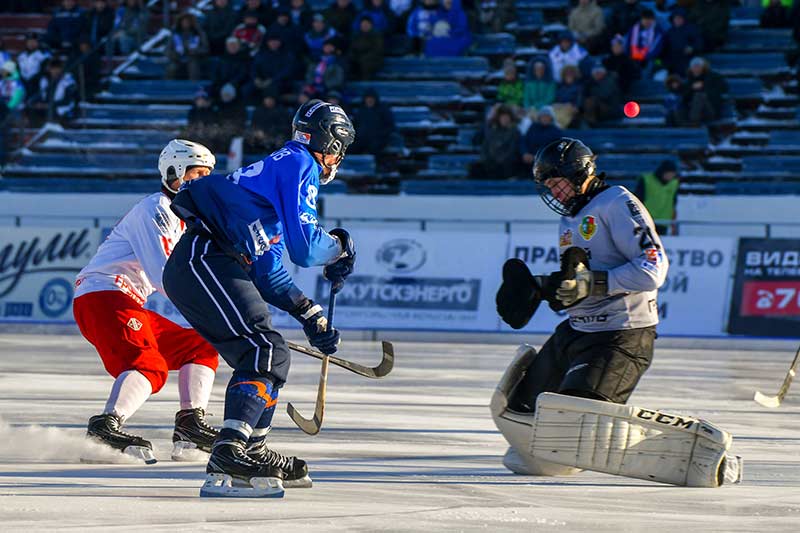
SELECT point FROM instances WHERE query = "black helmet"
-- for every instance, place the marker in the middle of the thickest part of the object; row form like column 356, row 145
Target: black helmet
column 323, row 128
column 564, row 158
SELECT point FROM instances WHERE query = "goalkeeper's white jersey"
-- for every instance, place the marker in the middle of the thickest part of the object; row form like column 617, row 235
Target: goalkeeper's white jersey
column 132, row 257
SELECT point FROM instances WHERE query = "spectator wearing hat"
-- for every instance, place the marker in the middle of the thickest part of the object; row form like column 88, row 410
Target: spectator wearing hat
column 327, row 74
column 587, row 24
column 620, row 62
column 375, row 123
column 540, row 88
column 674, row 109
column 269, row 126
column 450, row 35
column 187, row 49
column 658, row 191
column 317, row 35
column 250, row 32
column 365, row 54
column 271, row 69
column 12, row 101
column 65, row 27
column 201, row 120
column 300, row 14
column 31, row 63
column 130, row 26
column 231, row 118
column 567, row 52
column 511, row 89
column 420, row 23
column 713, row 17
column 602, row 99
column 261, row 8
column 569, row 97
column 644, row 42
column 232, row 67
column 290, row 34
column 704, row 93
column 219, row 24
column 342, row 15
column 623, row 16
column 383, row 18
column 98, row 22
column 89, row 68
column 681, row 42
column 543, row 131
column 499, row 154
column 58, row 87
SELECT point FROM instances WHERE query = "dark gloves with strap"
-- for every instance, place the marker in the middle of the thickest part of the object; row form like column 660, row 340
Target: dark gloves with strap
column 338, row 271
column 519, row 296
column 315, row 326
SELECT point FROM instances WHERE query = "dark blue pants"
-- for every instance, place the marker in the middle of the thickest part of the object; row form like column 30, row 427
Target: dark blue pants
column 214, row 293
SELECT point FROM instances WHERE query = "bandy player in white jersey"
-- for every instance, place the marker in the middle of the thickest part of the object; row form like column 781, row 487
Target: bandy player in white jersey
column 562, row 409
column 138, row 347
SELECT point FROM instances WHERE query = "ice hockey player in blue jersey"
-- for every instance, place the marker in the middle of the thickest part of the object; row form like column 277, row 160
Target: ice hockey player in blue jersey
column 227, row 267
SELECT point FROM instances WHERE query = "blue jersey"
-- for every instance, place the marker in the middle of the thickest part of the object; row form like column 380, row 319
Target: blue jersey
column 262, row 209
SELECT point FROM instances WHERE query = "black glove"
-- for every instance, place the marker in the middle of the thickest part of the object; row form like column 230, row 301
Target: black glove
column 575, row 281
column 338, row 271
column 315, row 326
column 519, row 296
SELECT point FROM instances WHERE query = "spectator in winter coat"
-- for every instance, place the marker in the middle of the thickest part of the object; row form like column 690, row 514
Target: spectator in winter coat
column 713, row 17
column 674, row 109
column 705, row 91
column 511, row 90
column 420, row 23
column 64, row 29
column 231, row 118
column 540, row 88
column 341, row 15
column 327, row 74
column 12, row 90
column 271, row 70
column 317, row 35
column 89, row 67
column 269, row 127
column 542, row 132
column 450, row 35
column 130, row 26
column 300, row 14
column 250, row 33
column 31, row 63
column 566, row 52
column 366, row 50
column 290, row 35
column 623, row 16
column 261, row 8
column 375, row 123
column 644, row 41
column 382, row 17
column 681, row 42
column 569, row 97
column 500, row 157
column 602, row 99
column 187, row 49
column 587, row 24
column 201, row 120
column 98, row 22
column 776, row 15
column 219, row 25
column 618, row 61
column 233, row 67
column 60, row 87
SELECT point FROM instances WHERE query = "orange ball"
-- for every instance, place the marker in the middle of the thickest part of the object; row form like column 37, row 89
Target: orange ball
column 631, row 109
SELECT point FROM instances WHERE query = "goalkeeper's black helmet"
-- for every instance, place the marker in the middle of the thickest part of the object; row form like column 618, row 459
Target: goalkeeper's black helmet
column 564, row 158
column 323, row 128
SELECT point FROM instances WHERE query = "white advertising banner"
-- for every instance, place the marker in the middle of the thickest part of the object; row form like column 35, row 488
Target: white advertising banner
column 431, row 280
column 37, row 270
column 691, row 302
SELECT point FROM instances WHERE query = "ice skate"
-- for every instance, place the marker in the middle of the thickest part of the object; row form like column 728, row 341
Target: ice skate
column 106, row 429
column 193, row 438
column 233, row 474
column 295, row 471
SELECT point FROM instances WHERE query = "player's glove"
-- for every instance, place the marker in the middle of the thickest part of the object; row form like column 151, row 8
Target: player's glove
column 338, row 271
column 575, row 281
column 315, row 326
column 520, row 294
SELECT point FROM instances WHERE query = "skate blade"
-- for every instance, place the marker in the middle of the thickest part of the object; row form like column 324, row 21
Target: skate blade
column 302, row 483
column 225, row 486
column 188, row 452
column 139, row 453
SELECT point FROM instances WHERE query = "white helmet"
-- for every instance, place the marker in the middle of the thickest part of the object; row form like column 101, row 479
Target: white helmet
column 179, row 155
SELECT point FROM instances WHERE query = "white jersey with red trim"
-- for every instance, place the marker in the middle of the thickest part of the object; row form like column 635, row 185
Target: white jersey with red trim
column 132, row 257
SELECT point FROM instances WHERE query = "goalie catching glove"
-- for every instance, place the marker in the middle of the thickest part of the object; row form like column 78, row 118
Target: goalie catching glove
column 519, row 295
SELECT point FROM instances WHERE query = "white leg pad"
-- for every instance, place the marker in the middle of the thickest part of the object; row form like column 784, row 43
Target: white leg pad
column 632, row 441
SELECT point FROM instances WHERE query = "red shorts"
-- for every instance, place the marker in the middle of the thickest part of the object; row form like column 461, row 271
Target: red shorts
column 130, row 337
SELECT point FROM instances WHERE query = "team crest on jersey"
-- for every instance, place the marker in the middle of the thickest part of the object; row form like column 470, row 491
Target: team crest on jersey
column 135, row 324
column 302, row 137
column 588, row 227
column 565, row 239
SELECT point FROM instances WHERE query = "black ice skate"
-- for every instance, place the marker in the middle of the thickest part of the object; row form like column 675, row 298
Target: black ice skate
column 106, row 429
column 295, row 471
column 193, row 438
column 233, row 474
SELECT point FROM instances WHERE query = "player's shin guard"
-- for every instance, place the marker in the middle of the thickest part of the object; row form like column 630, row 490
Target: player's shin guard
column 633, row 442
column 247, row 396
column 517, row 428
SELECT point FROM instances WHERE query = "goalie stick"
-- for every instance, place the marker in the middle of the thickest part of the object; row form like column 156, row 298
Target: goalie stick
column 775, row 401
column 372, row 372
column 313, row 425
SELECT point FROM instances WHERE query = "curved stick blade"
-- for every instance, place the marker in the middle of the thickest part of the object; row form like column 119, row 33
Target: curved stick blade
column 767, row 401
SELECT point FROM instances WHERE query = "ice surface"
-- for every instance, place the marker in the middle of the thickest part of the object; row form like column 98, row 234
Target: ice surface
column 416, row 451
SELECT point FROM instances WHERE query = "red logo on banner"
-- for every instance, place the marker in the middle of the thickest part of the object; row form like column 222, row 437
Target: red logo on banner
column 770, row 298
